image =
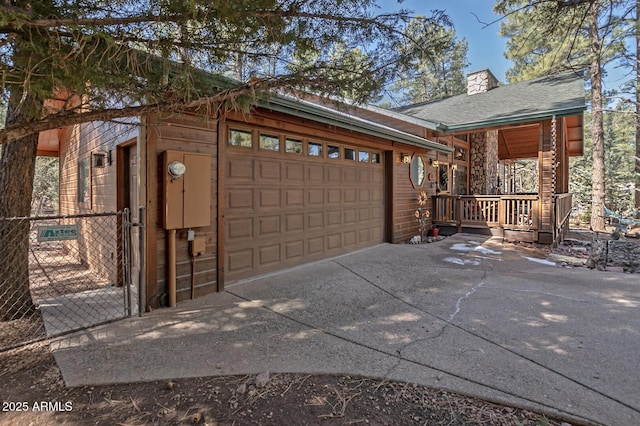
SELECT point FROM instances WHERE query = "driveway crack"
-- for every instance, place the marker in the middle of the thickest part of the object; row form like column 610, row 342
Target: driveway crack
column 466, row 296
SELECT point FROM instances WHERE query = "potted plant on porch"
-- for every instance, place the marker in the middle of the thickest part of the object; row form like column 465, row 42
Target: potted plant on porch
column 434, row 231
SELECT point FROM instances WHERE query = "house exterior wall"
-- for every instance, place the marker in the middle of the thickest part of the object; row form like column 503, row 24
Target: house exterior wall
column 404, row 195
column 96, row 236
column 186, row 133
column 77, row 144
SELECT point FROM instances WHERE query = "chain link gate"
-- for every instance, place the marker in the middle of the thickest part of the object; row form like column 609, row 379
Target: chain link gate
column 63, row 273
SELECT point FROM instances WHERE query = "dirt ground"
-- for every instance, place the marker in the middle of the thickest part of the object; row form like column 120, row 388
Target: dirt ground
column 32, row 393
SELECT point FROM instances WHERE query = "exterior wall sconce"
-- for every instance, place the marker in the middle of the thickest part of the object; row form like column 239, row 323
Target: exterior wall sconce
column 433, row 162
column 454, row 167
column 406, row 159
column 99, row 159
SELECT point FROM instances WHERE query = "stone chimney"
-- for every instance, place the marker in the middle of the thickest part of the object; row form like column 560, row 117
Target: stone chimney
column 480, row 82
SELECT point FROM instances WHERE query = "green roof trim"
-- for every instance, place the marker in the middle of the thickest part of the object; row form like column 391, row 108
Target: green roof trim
column 516, row 119
column 326, row 115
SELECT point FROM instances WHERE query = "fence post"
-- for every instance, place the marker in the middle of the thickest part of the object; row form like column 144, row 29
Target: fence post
column 126, row 257
column 142, row 285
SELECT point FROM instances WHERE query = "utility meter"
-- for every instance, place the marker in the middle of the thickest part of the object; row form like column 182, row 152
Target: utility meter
column 176, row 169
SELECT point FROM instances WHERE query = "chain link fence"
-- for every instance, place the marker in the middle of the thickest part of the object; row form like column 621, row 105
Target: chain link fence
column 62, row 273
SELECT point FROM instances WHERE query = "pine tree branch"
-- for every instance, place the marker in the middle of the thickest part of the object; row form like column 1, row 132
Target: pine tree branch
column 69, row 118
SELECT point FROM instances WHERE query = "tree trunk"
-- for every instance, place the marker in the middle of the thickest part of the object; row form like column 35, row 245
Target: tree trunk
column 637, row 162
column 597, row 125
column 17, row 167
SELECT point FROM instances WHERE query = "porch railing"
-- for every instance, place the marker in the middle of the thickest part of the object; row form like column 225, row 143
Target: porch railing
column 563, row 204
column 504, row 211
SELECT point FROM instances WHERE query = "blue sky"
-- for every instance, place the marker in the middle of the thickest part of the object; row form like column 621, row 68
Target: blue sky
column 485, row 46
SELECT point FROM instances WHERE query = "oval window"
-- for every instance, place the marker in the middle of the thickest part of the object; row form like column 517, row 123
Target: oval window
column 417, row 171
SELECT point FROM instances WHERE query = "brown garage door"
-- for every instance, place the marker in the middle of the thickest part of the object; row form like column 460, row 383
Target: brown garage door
column 290, row 200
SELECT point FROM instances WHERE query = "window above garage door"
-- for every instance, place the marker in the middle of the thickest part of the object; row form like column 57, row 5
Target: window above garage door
column 274, row 143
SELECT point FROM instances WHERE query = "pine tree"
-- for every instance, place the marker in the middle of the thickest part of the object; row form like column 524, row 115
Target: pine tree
column 438, row 61
column 548, row 36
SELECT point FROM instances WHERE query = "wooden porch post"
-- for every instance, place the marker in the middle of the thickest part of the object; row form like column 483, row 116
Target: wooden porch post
column 546, row 185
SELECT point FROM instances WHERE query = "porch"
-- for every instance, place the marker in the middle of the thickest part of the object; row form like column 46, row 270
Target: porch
column 515, row 216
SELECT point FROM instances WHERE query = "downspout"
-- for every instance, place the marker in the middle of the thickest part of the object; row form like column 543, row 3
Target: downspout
column 142, row 285
column 171, row 267
column 141, row 149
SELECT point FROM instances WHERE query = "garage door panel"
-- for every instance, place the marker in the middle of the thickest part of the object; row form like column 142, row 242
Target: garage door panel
column 350, row 175
column 334, row 174
column 315, row 173
column 269, row 225
column 294, row 173
column 364, row 195
column 269, row 170
column 240, row 261
column 293, row 198
column 377, row 214
column 377, row 195
column 364, row 214
column 364, row 235
column 350, row 238
column 269, row 255
column 293, row 222
column 334, row 196
column 240, row 169
column 334, row 218
column 315, row 197
column 350, row 195
column 364, row 176
column 315, row 246
column 294, row 250
column 238, row 228
column 268, row 198
column 241, row 199
column 350, row 216
column 334, row 241
column 315, row 220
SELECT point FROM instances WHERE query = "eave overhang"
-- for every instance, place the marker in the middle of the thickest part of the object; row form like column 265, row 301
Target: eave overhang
column 510, row 120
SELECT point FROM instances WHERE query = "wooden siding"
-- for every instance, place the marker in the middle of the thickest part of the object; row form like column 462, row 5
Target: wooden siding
column 79, row 142
column 404, row 197
column 189, row 134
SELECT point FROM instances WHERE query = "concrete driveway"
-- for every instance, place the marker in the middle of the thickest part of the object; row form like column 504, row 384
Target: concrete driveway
column 463, row 314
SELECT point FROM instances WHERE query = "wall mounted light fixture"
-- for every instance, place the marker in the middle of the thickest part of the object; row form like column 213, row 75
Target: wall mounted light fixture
column 406, row 159
column 99, row 159
column 433, row 162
